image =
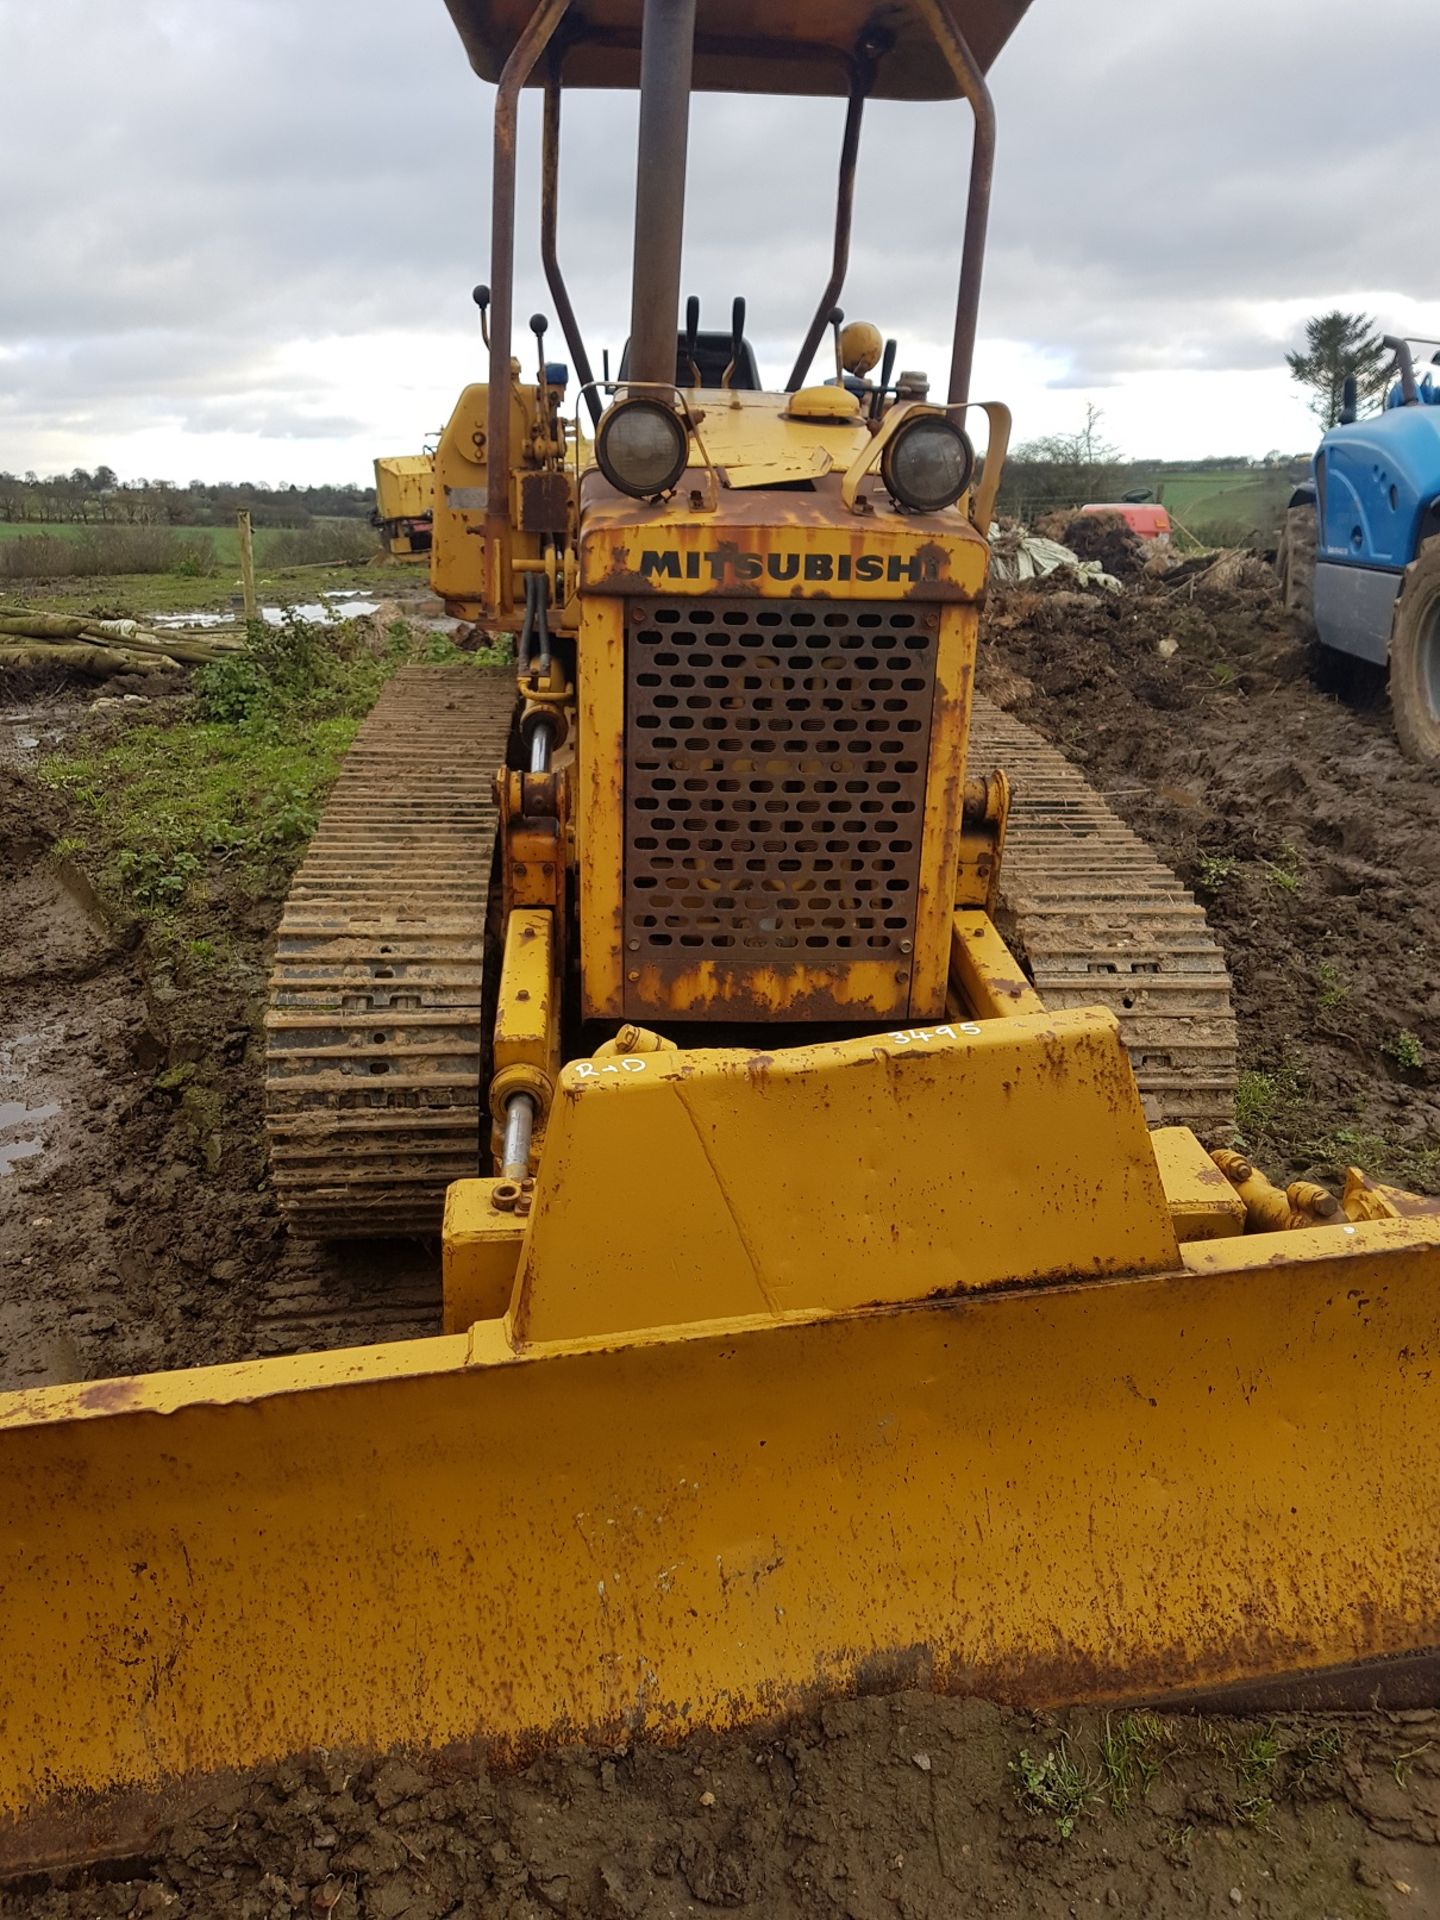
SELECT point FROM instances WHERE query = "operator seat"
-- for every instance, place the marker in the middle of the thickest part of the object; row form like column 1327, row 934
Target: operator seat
column 712, row 356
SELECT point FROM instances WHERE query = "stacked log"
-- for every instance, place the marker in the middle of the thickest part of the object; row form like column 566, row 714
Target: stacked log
column 100, row 648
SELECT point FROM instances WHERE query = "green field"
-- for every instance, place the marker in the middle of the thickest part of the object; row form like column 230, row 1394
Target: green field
column 1254, row 499
column 225, row 539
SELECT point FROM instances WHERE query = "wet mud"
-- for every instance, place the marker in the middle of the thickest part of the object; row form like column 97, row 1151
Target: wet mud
column 137, row 1228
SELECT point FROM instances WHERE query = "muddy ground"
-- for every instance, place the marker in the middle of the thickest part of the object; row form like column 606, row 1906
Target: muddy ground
column 137, row 1231
column 137, row 1227
column 908, row 1806
column 1204, row 717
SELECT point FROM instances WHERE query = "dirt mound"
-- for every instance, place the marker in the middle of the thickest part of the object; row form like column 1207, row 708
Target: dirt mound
column 1296, row 820
column 1107, row 538
column 910, row 1806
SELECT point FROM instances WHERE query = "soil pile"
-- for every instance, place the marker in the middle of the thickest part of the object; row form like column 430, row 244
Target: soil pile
column 1200, row 714
column 1105, row 537
column 909, row 1806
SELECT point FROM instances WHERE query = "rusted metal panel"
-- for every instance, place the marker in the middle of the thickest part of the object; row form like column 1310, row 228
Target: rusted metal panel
column 757, row 46
column 776, row 759
column 544, row 502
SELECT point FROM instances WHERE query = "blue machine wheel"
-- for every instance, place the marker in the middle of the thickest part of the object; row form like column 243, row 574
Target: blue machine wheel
column 1415, row 657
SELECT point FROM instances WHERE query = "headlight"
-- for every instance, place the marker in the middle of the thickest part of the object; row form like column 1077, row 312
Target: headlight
column 928, row 464
column 642, row 447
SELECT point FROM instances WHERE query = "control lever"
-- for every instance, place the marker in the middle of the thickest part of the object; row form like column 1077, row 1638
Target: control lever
column 737, row 337
column 887, row 367
column 481, row 297
column 837, row 320
column 692, row 329
column 538, row 326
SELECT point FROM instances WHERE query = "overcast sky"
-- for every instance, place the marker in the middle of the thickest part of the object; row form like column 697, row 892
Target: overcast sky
column 238, row 240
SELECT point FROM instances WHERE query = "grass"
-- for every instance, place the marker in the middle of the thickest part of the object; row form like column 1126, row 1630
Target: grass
column 1249, row 500
column 1405, row 1049
column 1396, row 1163
column 1256, row 1757
column 1404, row 1761
column 138, row 596
column 1332, row 986
column 167, row 815
column 1213, row 871
column 1266, row 1102
column 1285, row 869
column 1274, row 1114
column 225, row 539
column 1056, row 1784
column 1132, row 1752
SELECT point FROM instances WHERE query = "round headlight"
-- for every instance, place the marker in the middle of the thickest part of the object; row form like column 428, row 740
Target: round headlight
column 643, row 447
column 928, row 464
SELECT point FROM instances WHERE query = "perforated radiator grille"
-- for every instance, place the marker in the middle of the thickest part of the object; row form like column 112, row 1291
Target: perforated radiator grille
column 775, row 787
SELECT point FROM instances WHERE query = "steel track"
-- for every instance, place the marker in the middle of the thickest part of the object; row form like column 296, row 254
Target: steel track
column 373, row 1033
column 1099, row 921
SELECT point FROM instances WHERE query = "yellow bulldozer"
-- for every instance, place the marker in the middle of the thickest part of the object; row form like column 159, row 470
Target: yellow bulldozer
column 404, row 512
column 838, row 1290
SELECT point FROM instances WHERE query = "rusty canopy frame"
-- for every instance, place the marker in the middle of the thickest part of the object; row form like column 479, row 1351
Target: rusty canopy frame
column 667, row 44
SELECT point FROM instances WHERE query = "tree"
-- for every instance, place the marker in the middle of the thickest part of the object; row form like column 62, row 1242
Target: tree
column 1062, row 470
column 1340, row 345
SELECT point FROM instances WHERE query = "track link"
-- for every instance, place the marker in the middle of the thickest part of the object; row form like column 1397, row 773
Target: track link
column 373, row 1033
column 1099, row 921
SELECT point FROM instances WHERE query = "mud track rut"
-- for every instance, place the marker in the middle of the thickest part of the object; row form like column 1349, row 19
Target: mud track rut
column 373, row 1035
column 1100, row 921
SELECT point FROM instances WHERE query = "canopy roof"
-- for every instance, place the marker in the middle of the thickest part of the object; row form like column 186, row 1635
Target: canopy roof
column 751, row 46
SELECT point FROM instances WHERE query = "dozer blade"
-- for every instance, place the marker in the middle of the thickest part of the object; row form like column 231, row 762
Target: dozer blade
column 874, row 1363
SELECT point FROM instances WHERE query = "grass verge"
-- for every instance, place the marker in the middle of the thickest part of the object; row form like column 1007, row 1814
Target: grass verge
column 173, row 816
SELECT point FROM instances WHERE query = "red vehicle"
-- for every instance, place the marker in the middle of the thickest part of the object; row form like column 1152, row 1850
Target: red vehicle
column 1147, row 520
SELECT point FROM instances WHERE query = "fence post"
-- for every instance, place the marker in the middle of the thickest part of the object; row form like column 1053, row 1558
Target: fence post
column 247, row 562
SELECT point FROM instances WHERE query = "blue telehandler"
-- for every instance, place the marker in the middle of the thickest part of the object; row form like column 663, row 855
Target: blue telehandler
column 1360, row 550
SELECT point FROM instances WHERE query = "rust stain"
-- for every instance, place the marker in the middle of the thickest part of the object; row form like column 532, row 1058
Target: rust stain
column 112, row 1396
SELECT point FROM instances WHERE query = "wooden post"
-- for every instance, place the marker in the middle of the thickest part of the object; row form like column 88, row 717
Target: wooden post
column 247, row 562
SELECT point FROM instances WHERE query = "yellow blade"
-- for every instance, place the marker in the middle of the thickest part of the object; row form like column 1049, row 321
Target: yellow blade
column 1109, row 1488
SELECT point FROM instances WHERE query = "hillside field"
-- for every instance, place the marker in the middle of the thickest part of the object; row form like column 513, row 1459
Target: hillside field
column 225, row 539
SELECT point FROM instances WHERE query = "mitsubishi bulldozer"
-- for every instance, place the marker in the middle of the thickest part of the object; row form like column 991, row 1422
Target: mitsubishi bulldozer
column 809, row 1083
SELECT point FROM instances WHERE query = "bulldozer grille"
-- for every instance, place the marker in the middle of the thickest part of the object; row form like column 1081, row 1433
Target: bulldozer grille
column 775, row 785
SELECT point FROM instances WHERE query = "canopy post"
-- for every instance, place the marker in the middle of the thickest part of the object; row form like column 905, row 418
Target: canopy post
column 970, row 79
column 667, row 53
column 549, row 221
column 862, row 72
column 518, row 68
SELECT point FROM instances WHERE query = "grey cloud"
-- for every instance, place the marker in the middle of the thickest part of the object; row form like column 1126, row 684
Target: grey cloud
column 189, row 188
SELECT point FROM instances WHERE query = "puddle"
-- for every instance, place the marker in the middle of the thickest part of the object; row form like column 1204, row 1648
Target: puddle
column 25, row 730
column 349, row 603
column 14, row 1113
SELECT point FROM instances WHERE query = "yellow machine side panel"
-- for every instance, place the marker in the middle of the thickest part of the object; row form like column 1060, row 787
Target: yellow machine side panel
column 689, row 1186
column 459, row 554
column 1100, row 1491
column 404, row 486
